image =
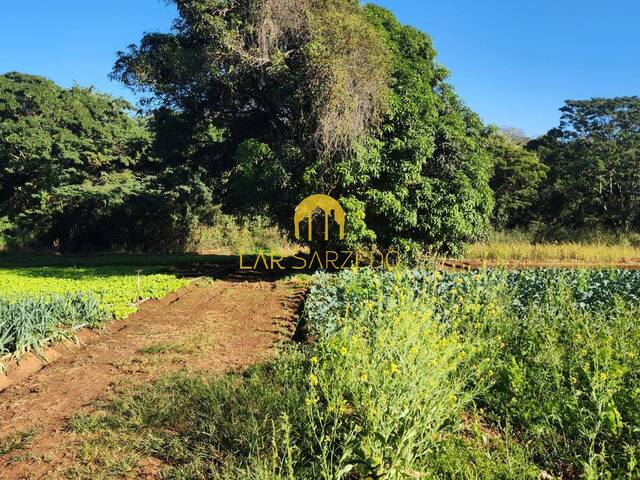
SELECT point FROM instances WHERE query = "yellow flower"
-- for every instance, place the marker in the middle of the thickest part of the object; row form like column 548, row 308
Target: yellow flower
column 394, row 368
column 343, row 351
column 310, row 401
column 314, row 360
column 313, row 379
column 414, row 350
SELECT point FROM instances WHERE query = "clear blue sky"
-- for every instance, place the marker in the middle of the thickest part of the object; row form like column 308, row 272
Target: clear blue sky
column 514, row 62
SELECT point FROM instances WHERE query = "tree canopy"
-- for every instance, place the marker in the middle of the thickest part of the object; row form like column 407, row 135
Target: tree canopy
column 76, row 169
column 253, row 105
column 594, row 165
column 279, row 99
column 517, row 176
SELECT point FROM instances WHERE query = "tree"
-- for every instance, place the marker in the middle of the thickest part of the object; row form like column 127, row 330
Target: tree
column 280, row 99
column 516, row 135
column 73, row 163
column 594, row 165
column 517, row 176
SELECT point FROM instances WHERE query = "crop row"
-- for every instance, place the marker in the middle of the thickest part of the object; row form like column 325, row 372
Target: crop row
column 41, row 305
column 547, row 361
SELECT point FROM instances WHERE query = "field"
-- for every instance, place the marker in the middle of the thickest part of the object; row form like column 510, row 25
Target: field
column 409, row 374
column 40, row 305
column 597, row 253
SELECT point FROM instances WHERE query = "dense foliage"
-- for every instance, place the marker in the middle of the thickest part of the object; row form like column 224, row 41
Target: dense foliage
column 594, row 166
column 517, row 176
column 76, row 172
column 253, row 105
column 281, row 99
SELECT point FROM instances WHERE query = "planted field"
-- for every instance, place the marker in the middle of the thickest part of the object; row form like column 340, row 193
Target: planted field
column 41, row 305
column 414, row 374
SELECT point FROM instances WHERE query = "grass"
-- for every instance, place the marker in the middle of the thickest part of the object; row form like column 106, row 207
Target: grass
column 233, row 235
column 17, row 441
column 553, row 252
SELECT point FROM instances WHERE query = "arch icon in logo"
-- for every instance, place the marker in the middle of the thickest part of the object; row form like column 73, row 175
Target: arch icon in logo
column 327, row 205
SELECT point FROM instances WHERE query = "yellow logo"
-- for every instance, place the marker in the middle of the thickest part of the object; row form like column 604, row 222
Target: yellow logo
column 327, row 205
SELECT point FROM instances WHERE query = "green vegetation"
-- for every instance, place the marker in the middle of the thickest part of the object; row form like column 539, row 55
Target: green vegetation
column 28, row 324
column 115, row 288
column 313, row 96
column 248, row 107
column 412, row 373
column 325, row 96
column 592, row 159
column 39, row 306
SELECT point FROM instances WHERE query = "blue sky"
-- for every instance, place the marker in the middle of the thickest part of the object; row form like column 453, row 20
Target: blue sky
column 514, row 62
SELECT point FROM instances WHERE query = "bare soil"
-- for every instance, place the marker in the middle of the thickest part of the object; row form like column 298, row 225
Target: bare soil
column 217, row 326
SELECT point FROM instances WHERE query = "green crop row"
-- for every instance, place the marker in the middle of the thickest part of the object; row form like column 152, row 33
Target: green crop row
column 117, row 289
column 31, row 323
column 41, row 305
column 560, row 350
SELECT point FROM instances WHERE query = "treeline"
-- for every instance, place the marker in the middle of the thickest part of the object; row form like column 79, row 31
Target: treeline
column 253, row 105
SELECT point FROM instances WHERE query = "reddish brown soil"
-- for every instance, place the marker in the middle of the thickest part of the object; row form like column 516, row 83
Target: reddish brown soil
column 226, row 324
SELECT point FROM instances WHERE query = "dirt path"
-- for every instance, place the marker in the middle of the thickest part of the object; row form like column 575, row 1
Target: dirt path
column 217, row 326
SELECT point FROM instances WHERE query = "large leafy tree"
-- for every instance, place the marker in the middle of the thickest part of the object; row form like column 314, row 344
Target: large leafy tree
column 278, row 99
column 594, row 165
column 76, row 173
column 517, row 176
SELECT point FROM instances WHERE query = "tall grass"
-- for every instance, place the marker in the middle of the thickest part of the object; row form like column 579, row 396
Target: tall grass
column 526, row 251
column 229, row 234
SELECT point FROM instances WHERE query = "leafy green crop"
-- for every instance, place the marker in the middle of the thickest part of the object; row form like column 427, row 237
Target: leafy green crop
column 562, row 347
column 116, row 288
column 41, row 305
